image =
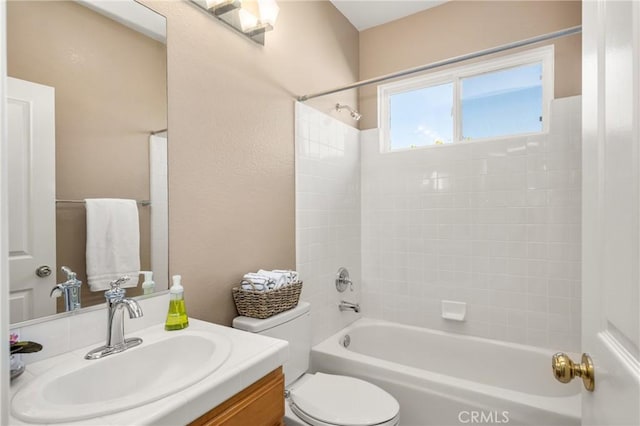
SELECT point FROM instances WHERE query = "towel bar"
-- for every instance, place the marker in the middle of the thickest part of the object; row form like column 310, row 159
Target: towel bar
column 141, row 202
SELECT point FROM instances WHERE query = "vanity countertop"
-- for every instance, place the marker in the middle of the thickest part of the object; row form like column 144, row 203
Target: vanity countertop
column 252, row 357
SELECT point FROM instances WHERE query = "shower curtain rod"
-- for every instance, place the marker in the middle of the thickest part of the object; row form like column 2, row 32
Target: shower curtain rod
column 155, row 132
column 549, row 36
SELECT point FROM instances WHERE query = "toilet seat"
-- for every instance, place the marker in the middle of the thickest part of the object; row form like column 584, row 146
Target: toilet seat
column 326, row 399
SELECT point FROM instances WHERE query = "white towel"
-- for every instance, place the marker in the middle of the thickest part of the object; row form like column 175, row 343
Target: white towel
column 113, row 242
column 253, row 286
column 279, row 279
column 292, row 276
column 258, row 278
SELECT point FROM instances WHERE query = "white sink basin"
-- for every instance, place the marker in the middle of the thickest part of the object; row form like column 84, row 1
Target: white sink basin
column 165, row 363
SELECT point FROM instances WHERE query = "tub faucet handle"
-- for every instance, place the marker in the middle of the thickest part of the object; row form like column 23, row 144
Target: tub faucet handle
column 343, row 281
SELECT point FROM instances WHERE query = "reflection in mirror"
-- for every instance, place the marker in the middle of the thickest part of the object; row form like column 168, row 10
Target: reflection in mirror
column 87, row 109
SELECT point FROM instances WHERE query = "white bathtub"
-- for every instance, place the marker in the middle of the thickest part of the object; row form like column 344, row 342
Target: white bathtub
column 441, row 378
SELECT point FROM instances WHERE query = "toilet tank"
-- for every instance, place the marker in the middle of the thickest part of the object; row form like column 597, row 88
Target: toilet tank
column 294, row 326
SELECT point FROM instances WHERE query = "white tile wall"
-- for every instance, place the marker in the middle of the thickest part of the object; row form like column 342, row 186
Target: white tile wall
column 327, row 215
column 495, row 224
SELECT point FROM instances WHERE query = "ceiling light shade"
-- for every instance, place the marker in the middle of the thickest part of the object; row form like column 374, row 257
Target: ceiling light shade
column 268, row 12
column 248, row 21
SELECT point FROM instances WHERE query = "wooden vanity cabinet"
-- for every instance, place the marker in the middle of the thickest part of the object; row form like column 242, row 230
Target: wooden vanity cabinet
column 261, row 404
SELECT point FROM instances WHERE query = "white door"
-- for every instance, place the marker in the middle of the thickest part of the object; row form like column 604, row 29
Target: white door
column 611, row 217
column 31, row 198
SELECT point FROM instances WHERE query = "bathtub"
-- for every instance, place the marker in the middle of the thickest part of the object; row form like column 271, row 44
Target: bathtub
column 441, row 378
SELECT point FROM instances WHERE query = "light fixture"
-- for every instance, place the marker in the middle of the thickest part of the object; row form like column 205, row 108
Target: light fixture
column 252, row 18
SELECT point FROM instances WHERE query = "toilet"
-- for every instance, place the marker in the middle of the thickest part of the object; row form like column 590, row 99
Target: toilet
column 320, row 399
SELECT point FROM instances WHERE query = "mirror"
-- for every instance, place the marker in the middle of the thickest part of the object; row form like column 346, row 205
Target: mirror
column 87, row 111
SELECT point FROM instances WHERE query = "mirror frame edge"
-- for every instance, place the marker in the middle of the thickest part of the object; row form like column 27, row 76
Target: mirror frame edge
column 4, row 226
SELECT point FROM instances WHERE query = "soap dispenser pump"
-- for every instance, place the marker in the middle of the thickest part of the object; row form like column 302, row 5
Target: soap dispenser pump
column 177, row 318
column 148, row 286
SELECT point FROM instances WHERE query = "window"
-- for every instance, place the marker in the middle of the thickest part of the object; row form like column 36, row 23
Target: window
column 495, row 98
column 421, row 117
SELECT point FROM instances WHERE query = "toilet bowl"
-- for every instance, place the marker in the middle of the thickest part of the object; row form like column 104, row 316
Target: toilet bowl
column 325, row 399
column 320, row 399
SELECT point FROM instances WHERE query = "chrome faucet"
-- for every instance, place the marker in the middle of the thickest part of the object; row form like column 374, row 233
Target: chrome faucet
column 70, row 289
column 348, row 306
column 116, row 302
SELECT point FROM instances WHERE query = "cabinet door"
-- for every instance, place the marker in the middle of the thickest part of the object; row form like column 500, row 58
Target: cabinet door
column 261, row 404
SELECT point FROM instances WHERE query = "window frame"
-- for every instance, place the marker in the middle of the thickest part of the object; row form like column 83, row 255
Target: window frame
column 543, row 55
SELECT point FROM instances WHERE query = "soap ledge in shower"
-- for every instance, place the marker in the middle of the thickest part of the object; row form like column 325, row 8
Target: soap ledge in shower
column 454, row 311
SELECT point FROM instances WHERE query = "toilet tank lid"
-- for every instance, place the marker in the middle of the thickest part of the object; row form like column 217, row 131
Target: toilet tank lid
column 256, row 325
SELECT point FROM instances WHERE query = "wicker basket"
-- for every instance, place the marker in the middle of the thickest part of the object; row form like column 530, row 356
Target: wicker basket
column 264, row 304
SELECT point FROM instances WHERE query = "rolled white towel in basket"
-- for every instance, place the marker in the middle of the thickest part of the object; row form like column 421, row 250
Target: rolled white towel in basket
column 268, row 280
column 279, row 278
column 292, row 276
column 255, row 277
column 253, row 281
column 253, row 286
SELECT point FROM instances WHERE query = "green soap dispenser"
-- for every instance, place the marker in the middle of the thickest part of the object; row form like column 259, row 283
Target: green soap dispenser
column 177, row 318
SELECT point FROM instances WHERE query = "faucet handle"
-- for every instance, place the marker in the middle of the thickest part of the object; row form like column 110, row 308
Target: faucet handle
column 116, row 292
column 115, row 284
column 70, row 274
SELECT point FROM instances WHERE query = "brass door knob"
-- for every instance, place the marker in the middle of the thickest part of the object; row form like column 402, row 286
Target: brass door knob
column 564, row 370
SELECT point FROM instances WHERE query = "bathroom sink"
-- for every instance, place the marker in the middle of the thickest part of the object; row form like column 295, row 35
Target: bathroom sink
column 165, row 363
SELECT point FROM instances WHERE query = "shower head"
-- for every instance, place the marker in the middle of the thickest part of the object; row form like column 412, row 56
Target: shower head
column 354, row 114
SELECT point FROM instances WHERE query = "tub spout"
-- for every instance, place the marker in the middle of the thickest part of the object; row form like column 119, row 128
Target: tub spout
column 348, row 306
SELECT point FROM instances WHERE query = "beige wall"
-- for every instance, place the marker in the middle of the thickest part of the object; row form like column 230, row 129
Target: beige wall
column 110, row 91
column 231, row 140
column 231, row 121
column 459, row 27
